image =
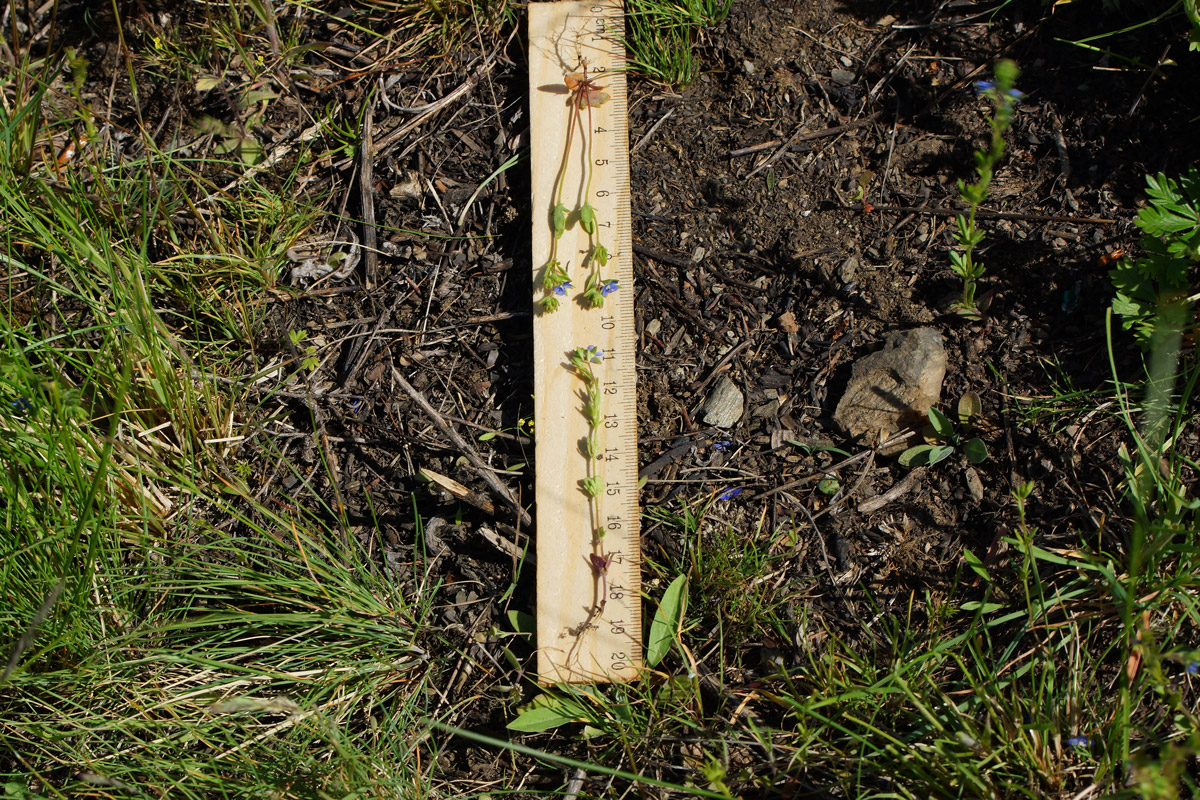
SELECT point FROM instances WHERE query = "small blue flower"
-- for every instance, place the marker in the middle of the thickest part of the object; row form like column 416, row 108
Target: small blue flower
column 729, row 494
column 607, row 288
column 21, row 405
column 1192, row 668
column 983, row 87
column 724, row 444
column 1079, row 741
column 561, row 289
column 593, row 354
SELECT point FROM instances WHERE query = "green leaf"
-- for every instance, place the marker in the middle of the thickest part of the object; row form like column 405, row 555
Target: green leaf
column 545, row 712
column 587, row 218
column 979, row 605
column 1006, row 71
column 666, row 621
column 959, row 263
column 558, row 219
column 206, row 83
column 210, row 124
column 975, row 450
column 829, row 486
column 258, row 96
column 938, row 454
column 942, row 425
column 916, row 456
column 487, row 437
column 601, row 255
column 536, row 720
column 968, row 406
column 976, row 565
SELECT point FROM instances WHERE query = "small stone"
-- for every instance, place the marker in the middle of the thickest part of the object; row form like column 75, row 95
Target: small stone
column 748, row 67
column 893, row 389
column 724, row 405
column 653, row 327
column 974, row 484
column 407, row 189
column 848, row 269
column 842, row 77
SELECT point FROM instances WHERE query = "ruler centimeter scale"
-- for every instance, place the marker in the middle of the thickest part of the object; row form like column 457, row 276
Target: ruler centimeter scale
column 589, row 614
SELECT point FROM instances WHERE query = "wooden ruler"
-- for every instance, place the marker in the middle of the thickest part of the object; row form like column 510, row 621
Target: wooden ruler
column 589, row 615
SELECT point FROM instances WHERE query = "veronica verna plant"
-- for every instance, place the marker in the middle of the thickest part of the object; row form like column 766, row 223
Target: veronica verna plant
column 582, row 361
column 583, row 95
column 967, row 236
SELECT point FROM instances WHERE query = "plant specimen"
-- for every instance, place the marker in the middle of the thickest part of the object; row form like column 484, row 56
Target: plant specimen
column 1153, row 289
column 582, row 361
column 967, row 235
column 584, row 94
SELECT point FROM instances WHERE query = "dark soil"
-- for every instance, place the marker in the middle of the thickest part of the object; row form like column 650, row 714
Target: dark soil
column 777, row 266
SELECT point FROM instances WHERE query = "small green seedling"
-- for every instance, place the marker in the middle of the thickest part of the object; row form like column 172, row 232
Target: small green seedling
column 564, row 704
column 943, row 437
column 967, row 235
column 310, row 361
column 524, row 427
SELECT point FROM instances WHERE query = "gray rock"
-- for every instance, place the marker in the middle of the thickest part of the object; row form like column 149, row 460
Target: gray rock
column 848, row 269
column 893, row 388
column 842, row 77
column 724, row 405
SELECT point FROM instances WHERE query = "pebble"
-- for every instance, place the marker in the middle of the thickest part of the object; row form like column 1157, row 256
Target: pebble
column 725, row 404
column 848, row 269
column 842, row 77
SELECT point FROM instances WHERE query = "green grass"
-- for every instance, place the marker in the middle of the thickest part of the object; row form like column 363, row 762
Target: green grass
column 660, row 36
column 166, row 632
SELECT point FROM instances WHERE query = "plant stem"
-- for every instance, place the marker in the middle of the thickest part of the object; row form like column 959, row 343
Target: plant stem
column 582, row 359
column 1004, row 98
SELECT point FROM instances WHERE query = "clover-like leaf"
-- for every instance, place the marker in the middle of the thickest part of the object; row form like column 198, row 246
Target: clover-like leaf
column 975, row 450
